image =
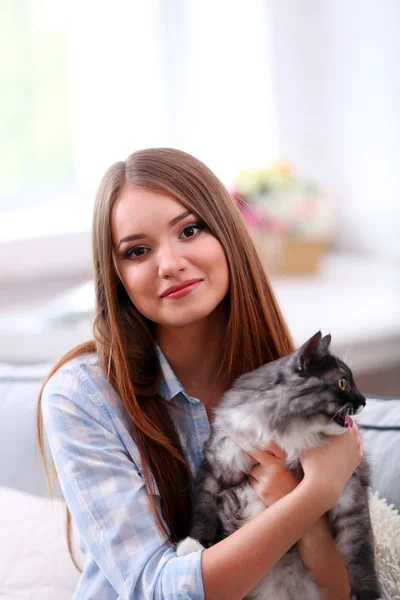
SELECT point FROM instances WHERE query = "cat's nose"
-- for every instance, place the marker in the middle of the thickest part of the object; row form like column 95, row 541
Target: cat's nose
column 359, row 404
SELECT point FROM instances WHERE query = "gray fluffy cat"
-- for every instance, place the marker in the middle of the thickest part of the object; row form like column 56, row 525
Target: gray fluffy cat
column 295, row 401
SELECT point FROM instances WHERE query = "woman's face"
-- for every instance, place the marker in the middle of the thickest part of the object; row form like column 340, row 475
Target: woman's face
column 160, row 246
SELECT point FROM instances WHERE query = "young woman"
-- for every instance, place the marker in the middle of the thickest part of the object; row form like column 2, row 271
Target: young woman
column 183, row 307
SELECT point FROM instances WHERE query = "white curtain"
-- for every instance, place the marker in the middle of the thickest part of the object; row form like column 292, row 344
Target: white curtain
column 194, row 75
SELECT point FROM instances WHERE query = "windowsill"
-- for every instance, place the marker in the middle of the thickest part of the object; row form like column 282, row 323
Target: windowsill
column 51, row 240
column 55, row 257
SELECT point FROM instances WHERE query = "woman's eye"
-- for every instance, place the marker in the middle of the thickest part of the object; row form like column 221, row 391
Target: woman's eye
column 190, row 230
column 136, row 252
column 342, row 383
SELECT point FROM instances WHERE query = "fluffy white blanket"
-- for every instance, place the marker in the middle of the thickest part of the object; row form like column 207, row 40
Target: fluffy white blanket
column 386, row 527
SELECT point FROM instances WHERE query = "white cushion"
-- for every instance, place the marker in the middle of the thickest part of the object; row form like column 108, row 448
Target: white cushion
column 379, row 425
column 21, row 465
column 34, row 560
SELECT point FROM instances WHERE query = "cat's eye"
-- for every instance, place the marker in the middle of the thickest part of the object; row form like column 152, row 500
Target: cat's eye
column 342, row 383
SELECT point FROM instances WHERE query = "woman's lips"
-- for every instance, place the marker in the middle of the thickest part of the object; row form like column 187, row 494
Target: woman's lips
column 183, row 291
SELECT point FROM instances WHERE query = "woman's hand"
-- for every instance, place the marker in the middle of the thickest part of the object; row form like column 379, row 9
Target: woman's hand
column 271, row 478
column 329, row 467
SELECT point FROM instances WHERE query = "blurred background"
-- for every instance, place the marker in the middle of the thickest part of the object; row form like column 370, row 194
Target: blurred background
column 294, row 105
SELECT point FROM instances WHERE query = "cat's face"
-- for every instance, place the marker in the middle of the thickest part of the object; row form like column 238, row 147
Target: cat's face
column 307, row 393
column 327, row 393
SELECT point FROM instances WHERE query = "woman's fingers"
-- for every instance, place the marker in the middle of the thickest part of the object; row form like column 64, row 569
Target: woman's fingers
column 258, row 472
column 256, row 453
column 272, row 482
column 276, row 450
column 262, row 456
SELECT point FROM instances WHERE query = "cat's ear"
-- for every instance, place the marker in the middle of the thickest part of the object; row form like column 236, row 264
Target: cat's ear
column 325, row 343
column 315, row 347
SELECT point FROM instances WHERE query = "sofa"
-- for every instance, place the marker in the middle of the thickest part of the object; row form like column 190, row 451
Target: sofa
column 34, row 558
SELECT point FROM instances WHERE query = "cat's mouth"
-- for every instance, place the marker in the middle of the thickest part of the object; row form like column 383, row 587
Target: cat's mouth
column 342, row 419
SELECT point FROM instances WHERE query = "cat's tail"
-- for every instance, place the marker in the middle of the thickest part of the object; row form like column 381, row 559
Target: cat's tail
column 206, row 524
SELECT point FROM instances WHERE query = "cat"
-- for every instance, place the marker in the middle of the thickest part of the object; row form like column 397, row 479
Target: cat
column 295, row 401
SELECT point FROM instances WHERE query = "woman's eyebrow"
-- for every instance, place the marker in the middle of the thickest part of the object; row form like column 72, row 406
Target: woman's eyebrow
column 138, row 236
column 179, row 218
column 130, row 238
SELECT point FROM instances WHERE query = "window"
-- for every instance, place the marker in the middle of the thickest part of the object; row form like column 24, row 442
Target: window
column 85, row 84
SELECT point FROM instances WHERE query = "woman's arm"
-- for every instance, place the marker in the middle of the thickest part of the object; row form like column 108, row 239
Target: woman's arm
column 98, row 466
column 274, row 483
column 319, row 555
column 235, row 565
column 272, row 480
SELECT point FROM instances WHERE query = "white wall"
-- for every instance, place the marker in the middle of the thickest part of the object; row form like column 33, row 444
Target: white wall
column 337, row 76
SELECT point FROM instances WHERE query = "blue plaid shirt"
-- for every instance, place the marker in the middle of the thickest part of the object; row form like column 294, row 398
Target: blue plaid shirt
column 100, row 474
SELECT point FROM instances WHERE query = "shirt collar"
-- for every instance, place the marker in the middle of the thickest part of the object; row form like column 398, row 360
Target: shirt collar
column 170, row 386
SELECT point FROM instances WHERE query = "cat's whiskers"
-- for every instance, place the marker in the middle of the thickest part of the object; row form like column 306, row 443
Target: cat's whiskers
column 354, row 367
column 349, row 412
column 337, row 413
column 347, row 409
column 347, row 354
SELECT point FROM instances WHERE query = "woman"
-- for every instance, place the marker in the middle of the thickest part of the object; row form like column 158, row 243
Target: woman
column 183, row 307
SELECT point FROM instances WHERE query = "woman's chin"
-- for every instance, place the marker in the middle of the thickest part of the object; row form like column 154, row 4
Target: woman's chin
column 181, row 317
column 182, row 322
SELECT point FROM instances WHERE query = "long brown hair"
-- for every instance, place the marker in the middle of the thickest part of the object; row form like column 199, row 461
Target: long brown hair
column 124, row 339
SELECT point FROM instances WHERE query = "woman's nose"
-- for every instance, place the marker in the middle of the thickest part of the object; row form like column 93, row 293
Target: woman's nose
column 170, row 262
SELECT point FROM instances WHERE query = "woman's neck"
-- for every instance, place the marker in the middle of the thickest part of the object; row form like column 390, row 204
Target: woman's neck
column 195, row 354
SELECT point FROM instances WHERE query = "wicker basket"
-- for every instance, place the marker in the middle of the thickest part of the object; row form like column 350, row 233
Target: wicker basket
column 289, row 256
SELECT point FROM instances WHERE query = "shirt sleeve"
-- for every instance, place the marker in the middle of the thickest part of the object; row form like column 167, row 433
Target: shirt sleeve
column 108, row 500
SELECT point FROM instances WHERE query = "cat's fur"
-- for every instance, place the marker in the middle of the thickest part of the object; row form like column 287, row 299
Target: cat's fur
column 293, row 401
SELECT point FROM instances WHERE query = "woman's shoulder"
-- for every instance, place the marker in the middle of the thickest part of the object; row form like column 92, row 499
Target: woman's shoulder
column 82, row 372
column 89, row 361
column 78, row 402
column 80, row 387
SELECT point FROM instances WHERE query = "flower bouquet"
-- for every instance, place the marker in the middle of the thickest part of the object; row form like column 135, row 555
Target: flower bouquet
column 291, row 220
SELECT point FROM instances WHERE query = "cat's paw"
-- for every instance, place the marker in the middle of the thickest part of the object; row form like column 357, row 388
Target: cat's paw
column 187, row 546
